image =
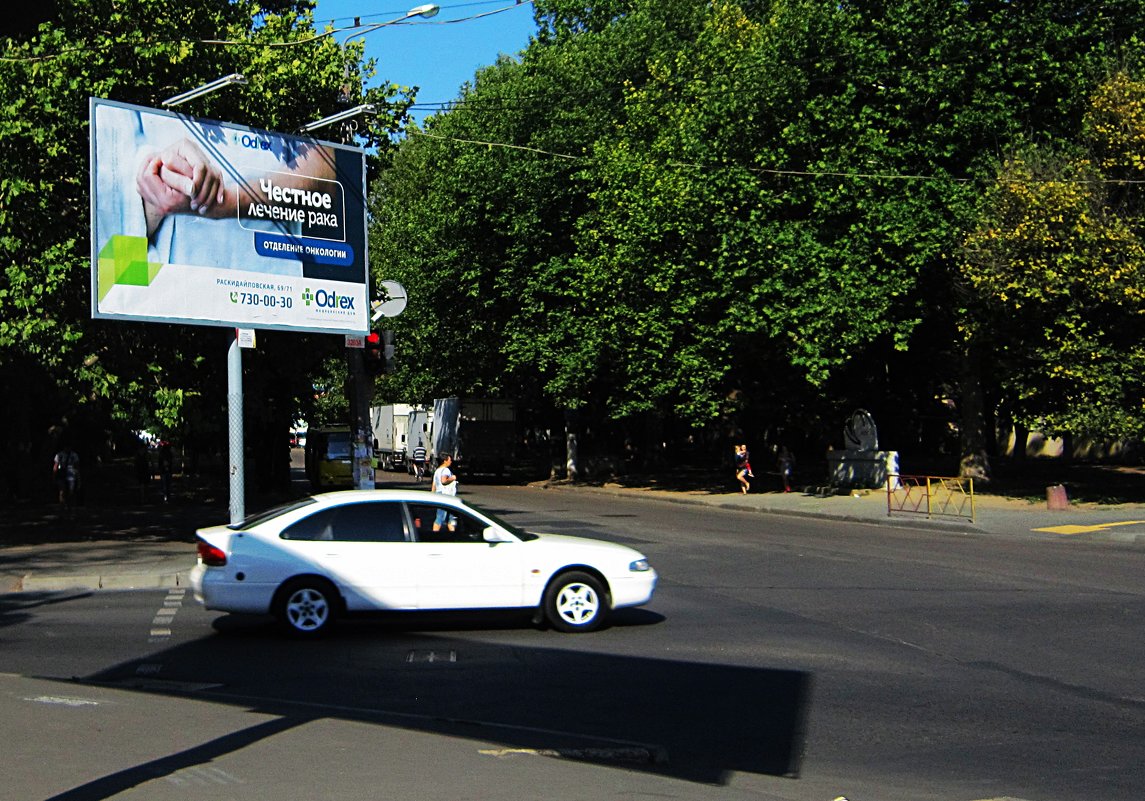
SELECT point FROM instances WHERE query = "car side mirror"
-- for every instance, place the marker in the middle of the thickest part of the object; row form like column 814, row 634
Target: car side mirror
column 493, row 535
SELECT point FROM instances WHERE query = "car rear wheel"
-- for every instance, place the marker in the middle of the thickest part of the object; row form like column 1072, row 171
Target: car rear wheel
column 306, row 607
column 576, row 602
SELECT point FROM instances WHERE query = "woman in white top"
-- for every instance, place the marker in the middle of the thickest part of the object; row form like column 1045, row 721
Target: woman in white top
column 445, row 483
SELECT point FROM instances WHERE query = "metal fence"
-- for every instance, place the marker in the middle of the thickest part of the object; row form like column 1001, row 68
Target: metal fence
column 933, row 496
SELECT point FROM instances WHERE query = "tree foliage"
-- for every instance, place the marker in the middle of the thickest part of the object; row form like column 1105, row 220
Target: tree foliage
column 683, row 214
column 1057, row 270
column 64, row 364
column 685, row 209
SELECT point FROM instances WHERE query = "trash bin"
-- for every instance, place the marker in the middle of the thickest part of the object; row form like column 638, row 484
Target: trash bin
column 1056, row 497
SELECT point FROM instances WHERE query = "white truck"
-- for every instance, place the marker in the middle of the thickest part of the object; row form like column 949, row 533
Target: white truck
column 479, row 433
column 389, row 424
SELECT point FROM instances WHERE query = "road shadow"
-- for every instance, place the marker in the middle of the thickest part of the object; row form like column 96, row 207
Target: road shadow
column 688, row 720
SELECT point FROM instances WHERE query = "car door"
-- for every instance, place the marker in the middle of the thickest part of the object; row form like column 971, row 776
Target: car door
column 457, row 569
column 363, row 547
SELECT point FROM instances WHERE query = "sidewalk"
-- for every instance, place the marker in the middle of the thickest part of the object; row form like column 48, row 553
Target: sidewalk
column 153, row 547
column 992, row 515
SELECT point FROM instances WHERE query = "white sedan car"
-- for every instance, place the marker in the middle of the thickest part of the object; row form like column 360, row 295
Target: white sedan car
column 355, row 551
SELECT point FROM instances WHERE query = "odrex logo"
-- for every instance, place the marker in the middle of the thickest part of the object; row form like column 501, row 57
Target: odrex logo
column 251, row 142
column 327, row 300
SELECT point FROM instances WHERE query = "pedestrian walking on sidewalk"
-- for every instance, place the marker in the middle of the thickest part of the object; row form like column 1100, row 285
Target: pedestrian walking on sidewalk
column 445, row 483
column 418, row 461
column 743, row 468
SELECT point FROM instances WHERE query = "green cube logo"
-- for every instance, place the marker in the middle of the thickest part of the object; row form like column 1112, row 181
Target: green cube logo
column 123, row 260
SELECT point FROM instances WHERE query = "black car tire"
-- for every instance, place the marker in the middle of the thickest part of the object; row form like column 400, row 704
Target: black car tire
column 576, row 602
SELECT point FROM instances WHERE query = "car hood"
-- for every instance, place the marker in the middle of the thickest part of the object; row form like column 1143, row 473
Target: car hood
column 581, row 543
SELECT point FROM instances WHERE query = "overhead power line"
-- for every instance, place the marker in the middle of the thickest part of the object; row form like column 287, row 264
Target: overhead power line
column 889, row 176
column 254, row 44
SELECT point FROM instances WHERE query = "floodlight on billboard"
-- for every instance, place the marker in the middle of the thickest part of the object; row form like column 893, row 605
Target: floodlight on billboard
column 209, row 223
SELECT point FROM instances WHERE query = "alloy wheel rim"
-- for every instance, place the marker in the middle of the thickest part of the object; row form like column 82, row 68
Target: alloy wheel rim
column 578, row 604
column 307, row 610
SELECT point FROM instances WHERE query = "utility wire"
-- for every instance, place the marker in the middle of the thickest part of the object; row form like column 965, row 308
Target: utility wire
column 890, row 176
column 449, row 7
column 256, row 44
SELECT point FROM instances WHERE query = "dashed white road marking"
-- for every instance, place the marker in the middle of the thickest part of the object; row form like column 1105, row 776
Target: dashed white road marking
column 165, row 616
column 201, row 776
column 62, row 700
column 431, row 656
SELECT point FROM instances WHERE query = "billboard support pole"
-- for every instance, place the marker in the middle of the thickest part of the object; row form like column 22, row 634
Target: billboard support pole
column 235, row 416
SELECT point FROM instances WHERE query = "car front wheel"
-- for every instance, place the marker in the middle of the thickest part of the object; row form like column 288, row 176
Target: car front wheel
column 306, row 607
column 576, row 602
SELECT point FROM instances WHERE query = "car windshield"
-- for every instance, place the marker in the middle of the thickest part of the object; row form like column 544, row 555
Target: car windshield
column 516, row 531
column 270, row 514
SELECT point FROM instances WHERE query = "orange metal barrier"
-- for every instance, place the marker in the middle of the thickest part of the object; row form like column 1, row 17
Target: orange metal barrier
column 933, row 496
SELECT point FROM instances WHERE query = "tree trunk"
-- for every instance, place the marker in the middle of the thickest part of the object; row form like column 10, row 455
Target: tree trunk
column 1021, row 438
column 975, row 462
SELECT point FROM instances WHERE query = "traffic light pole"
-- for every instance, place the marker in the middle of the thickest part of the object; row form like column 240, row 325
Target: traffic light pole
column 360, row 390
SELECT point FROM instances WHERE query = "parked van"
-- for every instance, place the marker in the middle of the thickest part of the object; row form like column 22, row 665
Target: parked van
column 329, row 457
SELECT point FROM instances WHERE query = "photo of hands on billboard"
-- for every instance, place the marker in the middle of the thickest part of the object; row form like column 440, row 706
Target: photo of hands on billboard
column 211, row 223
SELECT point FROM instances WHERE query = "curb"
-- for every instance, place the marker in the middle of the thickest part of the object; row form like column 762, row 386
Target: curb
column 955, row 525
column 122, row 581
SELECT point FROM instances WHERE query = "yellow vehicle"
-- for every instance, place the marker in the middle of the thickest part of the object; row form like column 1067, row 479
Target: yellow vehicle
column 329, row 457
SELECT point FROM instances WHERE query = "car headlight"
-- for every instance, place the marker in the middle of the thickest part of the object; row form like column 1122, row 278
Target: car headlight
column 639, row 566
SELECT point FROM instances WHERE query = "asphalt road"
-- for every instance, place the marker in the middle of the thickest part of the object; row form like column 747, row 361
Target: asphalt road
column 782, row 658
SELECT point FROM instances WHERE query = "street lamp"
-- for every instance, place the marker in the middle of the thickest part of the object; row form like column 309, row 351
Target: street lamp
column 360, row 383
column 341, row 116
column 206, row 89
column 424, row 11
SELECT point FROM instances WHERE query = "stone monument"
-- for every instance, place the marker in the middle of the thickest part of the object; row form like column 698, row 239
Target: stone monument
column 861, row 465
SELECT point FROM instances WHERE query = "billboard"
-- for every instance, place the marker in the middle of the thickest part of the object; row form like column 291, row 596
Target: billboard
column 208, row 223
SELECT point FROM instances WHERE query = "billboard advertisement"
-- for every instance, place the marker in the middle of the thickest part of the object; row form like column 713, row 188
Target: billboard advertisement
column 208, row 223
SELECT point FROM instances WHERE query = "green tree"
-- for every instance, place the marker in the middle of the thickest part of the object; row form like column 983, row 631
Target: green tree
column 758, row 209
column 141, row 52
column 1056, row 269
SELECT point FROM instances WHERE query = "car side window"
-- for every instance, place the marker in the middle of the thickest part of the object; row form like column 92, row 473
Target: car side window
column 318, row 526
column 370, row 522
column 356, row 522
column 452, row 525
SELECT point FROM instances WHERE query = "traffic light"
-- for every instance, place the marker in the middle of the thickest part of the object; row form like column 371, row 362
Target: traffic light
column 373, row 357
column 388, row 350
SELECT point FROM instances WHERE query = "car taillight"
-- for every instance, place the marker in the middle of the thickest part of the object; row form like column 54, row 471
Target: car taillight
column 211, row 556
